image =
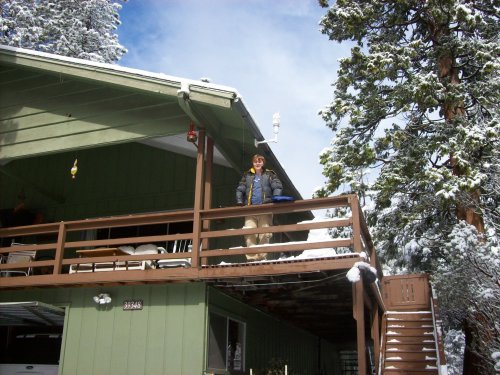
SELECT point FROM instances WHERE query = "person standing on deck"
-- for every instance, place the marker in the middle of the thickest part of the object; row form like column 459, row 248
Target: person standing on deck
column 257, row 186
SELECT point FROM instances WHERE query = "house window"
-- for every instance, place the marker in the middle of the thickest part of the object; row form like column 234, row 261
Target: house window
column 349, row 362
column 226, row 344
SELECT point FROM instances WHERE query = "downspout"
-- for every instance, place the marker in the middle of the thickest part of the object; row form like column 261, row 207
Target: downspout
column 184, row 102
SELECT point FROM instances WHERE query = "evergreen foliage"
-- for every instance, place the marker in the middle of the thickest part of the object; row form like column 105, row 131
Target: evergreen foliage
column 417, row 102
column 83, row 29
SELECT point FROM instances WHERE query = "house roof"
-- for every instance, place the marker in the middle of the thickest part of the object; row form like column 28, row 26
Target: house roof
column 51, row 103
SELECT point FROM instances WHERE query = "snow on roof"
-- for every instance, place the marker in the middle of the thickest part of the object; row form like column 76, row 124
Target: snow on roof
column 119, row 68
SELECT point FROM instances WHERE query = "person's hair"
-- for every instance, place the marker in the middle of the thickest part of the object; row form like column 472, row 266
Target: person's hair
column 258, row 157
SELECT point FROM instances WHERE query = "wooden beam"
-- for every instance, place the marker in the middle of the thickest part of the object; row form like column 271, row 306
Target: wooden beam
column 359, row 315
column 93, row 135
column 198, row 198
column 170, row 275
column 356, row 227
column 207, row 204
column 376, row 334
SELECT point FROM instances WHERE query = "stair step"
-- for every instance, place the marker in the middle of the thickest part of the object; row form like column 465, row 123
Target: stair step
column 395, row 340
column 410, row 356
column 409, row 372
column 411, row 331
column 423, row 315
column 414, row 337
column 410, row 323
column 410, row 365
column 415, row 316
column 410, row 347
column 423, row 334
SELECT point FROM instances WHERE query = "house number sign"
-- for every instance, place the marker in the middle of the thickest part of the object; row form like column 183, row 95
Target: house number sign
column 134, row 304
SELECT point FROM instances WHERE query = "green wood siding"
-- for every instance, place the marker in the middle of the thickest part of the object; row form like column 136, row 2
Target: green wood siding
column 268, row 338
column 166, row 337
column 114, row 180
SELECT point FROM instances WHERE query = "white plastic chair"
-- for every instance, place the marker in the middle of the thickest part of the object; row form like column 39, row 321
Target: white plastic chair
column 180, row 246
column 19, row 257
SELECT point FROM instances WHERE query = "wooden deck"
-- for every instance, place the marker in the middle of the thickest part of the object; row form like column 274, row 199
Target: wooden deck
column 208, row 262
column 309, row 292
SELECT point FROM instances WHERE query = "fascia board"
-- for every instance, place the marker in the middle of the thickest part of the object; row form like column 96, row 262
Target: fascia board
column 156, row 83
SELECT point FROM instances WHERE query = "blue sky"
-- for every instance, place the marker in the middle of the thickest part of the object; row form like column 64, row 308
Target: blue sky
column 271, row 51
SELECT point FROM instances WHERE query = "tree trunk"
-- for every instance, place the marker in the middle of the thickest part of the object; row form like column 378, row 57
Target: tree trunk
column 473, row 362
column 452, row 110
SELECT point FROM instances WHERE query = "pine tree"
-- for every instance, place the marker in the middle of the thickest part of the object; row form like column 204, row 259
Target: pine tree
column 75, row 28
column 417, row 101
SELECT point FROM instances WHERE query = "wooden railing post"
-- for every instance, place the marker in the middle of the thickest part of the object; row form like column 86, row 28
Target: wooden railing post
column 198, row 199
column 376, row 333
column 356, row 224
column 207, row 199
column 359, row 315
column 61, row 240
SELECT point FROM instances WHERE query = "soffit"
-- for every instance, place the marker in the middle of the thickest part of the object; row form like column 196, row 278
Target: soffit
column 51, row 103
column 318, row 302
column 57, row 103
column 32, row 313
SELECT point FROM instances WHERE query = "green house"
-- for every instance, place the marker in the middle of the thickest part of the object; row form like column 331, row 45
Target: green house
column 96, row 158
column 127, row 130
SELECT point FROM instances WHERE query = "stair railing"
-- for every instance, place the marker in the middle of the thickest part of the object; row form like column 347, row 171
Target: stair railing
column 438, row 335
column 383, row 344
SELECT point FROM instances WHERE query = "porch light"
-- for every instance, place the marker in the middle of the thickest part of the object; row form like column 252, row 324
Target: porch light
column 276, row 129
column 102, row 299
column 192, row 136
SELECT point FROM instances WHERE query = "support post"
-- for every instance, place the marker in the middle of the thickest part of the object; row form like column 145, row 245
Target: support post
column 376, row 334
column 61, row 240
column 359, row 315
column 209, row 164
column 198, row 198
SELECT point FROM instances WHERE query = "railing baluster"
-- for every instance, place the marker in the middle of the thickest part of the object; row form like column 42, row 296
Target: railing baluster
column 61, row 240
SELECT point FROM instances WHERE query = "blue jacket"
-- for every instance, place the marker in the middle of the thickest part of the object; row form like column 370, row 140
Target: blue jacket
column 271, row 186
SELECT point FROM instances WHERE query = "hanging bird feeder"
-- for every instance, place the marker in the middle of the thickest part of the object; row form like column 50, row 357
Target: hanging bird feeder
column 74, row 169
column 192, row 136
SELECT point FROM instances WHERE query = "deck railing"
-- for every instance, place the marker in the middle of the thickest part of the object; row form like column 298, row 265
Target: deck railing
column 406, row 292
column 59, row 253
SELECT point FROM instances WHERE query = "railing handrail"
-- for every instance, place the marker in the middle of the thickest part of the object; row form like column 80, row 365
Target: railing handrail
column 62, row 228
column 438, row 337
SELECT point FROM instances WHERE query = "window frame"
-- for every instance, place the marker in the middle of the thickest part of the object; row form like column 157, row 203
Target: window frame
column 241, row 334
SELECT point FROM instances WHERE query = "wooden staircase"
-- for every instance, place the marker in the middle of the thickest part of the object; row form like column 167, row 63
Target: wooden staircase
column 411, row 342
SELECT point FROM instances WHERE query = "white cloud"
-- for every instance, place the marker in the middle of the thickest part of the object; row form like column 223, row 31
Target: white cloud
column 271, row 52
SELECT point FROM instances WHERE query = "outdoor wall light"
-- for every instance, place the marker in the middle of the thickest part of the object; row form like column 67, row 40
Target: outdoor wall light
column 276, row 129
column 102, row 299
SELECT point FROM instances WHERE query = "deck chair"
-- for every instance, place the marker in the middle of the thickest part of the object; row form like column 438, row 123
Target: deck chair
column 180, row 246
column 19, row 257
